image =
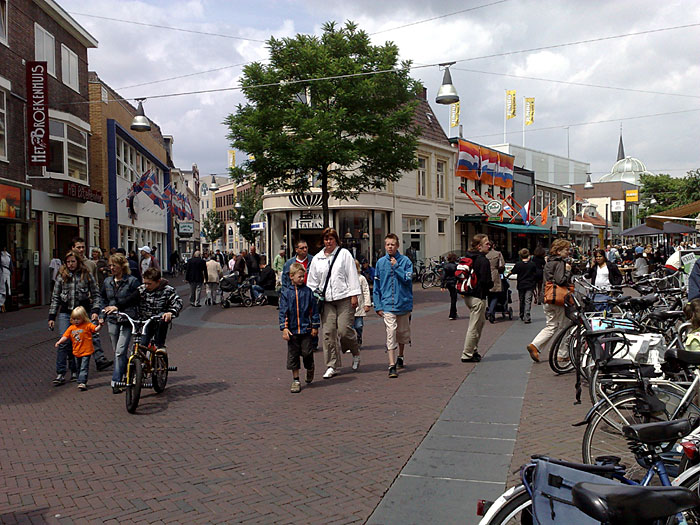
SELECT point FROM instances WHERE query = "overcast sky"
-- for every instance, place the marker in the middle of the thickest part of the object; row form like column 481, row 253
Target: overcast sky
column 664, row 62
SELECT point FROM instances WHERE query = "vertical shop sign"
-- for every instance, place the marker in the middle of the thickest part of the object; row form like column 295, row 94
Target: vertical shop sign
column 38, row 113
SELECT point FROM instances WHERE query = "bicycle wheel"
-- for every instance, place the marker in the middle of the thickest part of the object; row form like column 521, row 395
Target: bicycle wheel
column 556, row 366
column 516, row 511
column 160, row 371
column 603, row 436
column 428, row 280
column 595, row 388
column 692, row 515
column 134, row 374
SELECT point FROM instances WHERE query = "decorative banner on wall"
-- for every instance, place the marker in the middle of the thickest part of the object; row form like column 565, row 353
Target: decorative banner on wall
column 510, row 104
column 529, row 110
column 10, row 201
column 504, row 177
column 489, row 165
column 37, row 114
column 454, row 115
column 231, row 158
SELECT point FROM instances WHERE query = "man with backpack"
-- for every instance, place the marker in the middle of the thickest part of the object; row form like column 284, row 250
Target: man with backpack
column 474, row 282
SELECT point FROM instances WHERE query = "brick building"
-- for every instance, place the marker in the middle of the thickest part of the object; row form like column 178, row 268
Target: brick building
column 118, row 158
column 45, row 199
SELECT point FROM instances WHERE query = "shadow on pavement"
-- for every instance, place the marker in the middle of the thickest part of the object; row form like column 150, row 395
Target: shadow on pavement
column 26, row 516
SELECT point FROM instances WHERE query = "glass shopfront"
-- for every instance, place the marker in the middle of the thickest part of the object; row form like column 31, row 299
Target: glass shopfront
column 21, row 240
column 353, row 228
column 413, row 238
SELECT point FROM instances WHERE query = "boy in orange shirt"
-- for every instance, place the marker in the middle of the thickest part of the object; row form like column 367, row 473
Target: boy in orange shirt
column 80, row 333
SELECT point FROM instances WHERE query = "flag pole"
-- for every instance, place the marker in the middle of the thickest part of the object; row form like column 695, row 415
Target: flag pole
column 505, row 116
column 524, row 112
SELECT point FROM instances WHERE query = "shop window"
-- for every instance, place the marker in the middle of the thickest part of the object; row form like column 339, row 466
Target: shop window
column 413, row 238
column 422, row 176
column 68, row 147
column 45, row 48
column 441, row 225
column 540, row 198
column 553, row 207
column 3, row 126
column 3, row 21
column 69, row 68
column 353, row 228
column 546, row 201
column 440, row 180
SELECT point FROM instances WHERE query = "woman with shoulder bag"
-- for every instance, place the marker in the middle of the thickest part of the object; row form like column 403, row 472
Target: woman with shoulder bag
column 557, row 277
column 339, row 283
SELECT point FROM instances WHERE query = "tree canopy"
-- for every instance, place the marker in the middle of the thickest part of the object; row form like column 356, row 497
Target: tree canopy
column 350, row 130
column 669, row 192
column 212, row 227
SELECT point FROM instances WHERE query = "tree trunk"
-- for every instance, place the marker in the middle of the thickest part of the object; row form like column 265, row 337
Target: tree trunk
column 324, row 197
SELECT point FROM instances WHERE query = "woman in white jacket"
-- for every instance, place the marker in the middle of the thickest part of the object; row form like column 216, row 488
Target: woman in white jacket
column 342, row 289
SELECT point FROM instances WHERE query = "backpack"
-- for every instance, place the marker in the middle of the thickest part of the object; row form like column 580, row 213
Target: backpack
column 466, row 276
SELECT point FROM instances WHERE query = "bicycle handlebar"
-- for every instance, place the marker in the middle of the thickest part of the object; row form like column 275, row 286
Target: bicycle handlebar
column 138, row 322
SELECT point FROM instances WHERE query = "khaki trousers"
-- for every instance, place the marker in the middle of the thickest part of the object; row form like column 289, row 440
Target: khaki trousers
column 555, row 320
column 477, row 316
column 337, row 320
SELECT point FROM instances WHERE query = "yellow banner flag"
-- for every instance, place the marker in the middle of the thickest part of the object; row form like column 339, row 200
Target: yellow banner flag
column 510, row 104
column 231, row 158
column 529, row 111
column 454, row 115
column 563, row 207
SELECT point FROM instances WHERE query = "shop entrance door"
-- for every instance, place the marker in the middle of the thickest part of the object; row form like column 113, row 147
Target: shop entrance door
column 64, row 237
column 312, row 237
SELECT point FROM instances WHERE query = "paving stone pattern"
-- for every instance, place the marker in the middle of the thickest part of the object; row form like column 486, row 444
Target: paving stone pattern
column 226, row 442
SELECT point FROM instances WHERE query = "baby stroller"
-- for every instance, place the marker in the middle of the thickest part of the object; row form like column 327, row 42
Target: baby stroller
column 237, row 293
column 503, row 301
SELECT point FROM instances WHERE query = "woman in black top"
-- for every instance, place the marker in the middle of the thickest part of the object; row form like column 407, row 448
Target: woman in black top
column 538, row 259
column 449, row 282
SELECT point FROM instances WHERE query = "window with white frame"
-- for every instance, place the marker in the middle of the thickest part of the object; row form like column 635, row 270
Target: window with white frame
column 546, row 201
column 422, row 176
column 3, row 125
column 540, row 198
column 3, row 21
column 413, row 237
column 68, row 146
column 440, row 179
column 69, row 68
column 553, row 208
column 45, row 48
column 131, row 164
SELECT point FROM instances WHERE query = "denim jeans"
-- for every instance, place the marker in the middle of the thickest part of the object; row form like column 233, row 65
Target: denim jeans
column 257, row 291
column 358, row 326
column 83, row 365
column 156, row 330
column 121, row 337
column 492, row 302
column 97, row 345
column 64, row 351
column 601, row 302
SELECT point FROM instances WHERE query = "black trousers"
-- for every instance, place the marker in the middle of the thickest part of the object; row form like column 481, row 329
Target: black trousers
column 157, row 331
column 299, row 346
column 453, row 299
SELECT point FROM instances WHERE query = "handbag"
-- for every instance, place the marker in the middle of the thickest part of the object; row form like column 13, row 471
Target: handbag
column 556, row 293
column 319, row 294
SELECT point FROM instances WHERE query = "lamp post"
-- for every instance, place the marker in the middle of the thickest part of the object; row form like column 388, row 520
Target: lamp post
column 140, row 122
column 447, row 94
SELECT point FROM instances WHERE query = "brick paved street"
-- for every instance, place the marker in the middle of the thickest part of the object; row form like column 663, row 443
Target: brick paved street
column 226, row 441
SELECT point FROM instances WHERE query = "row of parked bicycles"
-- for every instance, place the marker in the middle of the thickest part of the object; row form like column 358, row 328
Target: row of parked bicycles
column 641, row 445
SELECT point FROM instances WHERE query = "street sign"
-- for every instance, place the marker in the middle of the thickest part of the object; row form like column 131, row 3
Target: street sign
column 257, row 226
column 617, row 205
column 185, row 229
column 632, row 195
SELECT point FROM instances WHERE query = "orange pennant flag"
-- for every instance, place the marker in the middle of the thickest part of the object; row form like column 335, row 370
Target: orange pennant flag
column 545, row 214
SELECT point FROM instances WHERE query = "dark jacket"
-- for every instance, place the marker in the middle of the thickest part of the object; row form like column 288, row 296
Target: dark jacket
column 448, row 275
column 482, row 267
column 162, row 299
column 539, row 264
column 267, row 278
column 555, row 271
column 694, row 281
column 253, row 262
column 196, row 270
column 242, row 268
column 122, row 295
column 221, row 259
column 614, row 274
column 78, row 291
column 134, row 268
column 298, row 310
column 527, row 274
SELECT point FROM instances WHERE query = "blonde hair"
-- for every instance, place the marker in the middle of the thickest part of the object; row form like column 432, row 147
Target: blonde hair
column 79, row 313
column 296, row 268
column 358, row 266
column 120, row 260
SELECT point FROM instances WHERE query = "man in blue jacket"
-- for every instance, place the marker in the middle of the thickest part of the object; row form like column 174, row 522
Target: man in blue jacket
column 393, row 300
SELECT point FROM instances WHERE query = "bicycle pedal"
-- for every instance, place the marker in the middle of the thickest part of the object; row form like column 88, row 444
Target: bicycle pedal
column 120, row 383
column 146, row 385
column 172, row 369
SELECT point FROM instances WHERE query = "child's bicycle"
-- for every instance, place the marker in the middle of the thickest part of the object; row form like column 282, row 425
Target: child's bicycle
column 145, row 363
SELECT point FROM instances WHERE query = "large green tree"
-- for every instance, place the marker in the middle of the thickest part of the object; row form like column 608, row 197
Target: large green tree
column 351, row 130
column 251, row 203
column 212, row 227
column 669, row 192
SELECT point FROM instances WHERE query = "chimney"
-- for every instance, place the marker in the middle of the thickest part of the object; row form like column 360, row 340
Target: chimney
column 424, row 95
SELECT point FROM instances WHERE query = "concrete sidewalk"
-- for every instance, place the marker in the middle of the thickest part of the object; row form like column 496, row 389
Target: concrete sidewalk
column 467, row 454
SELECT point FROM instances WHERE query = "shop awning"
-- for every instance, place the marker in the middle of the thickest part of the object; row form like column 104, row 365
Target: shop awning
column 519, row 228
column 470, row 218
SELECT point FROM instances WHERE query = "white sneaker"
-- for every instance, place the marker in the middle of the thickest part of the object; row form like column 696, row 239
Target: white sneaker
column 356, row 362
column 329, row 373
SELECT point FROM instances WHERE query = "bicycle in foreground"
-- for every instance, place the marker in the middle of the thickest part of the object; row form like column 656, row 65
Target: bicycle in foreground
column 147, row 366
column 555, row 491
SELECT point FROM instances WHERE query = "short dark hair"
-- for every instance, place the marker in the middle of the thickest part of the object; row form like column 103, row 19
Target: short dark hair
column 392, row 236
column 296, row 244
column 76, row 240
column 152, row 274
column 524, row 253
column 121, row 250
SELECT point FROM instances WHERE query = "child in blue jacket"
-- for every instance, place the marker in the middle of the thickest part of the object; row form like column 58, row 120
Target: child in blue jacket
column 299, row 321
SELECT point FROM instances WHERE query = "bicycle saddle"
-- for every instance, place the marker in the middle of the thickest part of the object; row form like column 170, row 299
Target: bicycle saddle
column 643, row 302
column 666, row 315
column 619, row 300
column 630, row 504
column 685, row 357
column 658, row 432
